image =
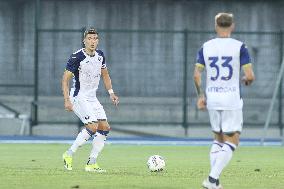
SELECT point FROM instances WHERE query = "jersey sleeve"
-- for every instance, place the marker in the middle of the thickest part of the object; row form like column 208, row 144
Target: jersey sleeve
column 72, row 64
column 244, row 56
column 200, row 58
column 104, row 62
column 104, row 59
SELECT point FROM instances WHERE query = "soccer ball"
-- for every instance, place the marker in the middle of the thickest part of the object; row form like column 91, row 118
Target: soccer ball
column 156, row 163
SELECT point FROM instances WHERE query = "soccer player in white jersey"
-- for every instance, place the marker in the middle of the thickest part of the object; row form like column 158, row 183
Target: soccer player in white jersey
column 86, row 66
column 223, row 58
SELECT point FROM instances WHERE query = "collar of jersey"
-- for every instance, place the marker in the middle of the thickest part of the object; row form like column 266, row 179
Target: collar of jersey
column 86, row 54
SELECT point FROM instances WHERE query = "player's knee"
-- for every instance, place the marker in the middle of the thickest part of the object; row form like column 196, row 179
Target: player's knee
column 93, row 126
column 103, row 125
column 219, row 136
column 233, row 137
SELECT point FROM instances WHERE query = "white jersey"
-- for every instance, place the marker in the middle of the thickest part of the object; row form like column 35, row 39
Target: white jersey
column 87, row 72
column 223, row 58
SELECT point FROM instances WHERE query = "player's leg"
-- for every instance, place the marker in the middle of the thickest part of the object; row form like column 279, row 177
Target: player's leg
column 99, row 139
column 215, row 150
column 216, row 147
column 81, row 109
column 215, row 121
column 98, row 145
column 223, row 157
column 231, row 125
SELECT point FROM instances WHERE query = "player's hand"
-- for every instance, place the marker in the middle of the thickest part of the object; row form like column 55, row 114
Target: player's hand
column 114, row 99
column 246, row 81
column 68, row 105
column 201, row 103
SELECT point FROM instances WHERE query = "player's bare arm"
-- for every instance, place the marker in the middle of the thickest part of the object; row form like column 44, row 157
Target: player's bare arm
column 201, row 101
column 248, row 77
column 108, row 86
column 65, row 89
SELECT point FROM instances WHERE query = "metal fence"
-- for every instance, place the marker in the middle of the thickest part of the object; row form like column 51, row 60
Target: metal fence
column 152, row 72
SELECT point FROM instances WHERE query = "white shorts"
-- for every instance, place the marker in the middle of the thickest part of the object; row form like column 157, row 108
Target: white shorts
column 88, row 110
column 226, row 121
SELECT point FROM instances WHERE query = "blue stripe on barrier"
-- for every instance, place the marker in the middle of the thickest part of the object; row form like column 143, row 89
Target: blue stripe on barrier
column 134, row 141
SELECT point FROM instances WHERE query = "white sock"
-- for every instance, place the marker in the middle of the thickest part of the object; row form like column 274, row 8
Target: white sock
column 215, row 149
column 81, row 139
column 98, row 145
column 222, row 160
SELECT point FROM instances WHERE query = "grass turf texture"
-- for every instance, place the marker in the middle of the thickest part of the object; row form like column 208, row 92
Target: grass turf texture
column 41, row 166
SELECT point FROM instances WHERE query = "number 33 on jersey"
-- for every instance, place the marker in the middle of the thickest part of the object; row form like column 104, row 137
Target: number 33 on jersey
column 223, row 59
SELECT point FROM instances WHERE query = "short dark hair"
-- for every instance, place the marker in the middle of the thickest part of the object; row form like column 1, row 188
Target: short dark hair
column 224, row 20
column 90, row 31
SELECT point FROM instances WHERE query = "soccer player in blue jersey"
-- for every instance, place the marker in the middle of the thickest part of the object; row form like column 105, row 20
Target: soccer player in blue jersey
column 86, row 67
column 223, row 58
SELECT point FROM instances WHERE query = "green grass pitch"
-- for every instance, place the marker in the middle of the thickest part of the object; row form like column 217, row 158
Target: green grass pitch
column 40, row 166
